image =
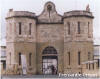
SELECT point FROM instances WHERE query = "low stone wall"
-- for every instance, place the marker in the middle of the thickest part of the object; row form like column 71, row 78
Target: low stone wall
column 44, row 76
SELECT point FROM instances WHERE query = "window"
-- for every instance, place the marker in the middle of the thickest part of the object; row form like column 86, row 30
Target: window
column 98, row 64
column 88, row 28
column 68, row 28
column 30, row 25
column 10, row 57
column 89, row 55
column 93, row 65
column 20, row 28
column 79, row 28
column 19, row 58
column 30, row 56
column 69, row 58
column 10, row 28
column 78, row 58
column 4, row 65
column 87, row 66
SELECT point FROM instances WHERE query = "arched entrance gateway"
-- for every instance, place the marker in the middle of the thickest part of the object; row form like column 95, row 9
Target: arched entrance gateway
column 49, row 60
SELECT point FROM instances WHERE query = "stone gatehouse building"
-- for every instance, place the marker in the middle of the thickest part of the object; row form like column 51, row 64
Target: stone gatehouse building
column 50, row 39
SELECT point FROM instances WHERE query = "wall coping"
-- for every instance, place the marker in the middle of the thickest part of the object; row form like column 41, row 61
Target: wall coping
column 76, row 13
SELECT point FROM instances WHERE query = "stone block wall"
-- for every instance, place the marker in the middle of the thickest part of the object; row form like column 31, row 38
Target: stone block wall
column 49, row 29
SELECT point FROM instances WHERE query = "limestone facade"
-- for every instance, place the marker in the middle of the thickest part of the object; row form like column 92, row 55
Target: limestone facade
column 70, row 33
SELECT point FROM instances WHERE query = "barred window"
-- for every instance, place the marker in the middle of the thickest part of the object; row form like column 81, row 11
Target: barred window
column 20, row 28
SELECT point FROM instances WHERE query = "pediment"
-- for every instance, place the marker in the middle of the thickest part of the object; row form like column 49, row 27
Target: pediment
column 49, row 14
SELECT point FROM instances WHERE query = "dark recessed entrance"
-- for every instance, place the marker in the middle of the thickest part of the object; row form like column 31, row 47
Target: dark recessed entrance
column 49, row 61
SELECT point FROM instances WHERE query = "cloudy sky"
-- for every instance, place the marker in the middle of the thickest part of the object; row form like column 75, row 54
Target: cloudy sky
column 62, row 6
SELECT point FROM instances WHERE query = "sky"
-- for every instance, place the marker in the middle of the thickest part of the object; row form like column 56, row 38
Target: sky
column 62, row 6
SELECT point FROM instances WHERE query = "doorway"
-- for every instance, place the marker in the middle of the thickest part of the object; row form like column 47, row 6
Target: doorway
column 49, row 61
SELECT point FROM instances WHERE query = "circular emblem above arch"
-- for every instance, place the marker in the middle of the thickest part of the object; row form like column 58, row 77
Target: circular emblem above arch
column 49, row 6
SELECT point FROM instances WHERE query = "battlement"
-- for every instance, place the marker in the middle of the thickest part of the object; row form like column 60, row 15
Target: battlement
column 76, row 13
column 12, row 13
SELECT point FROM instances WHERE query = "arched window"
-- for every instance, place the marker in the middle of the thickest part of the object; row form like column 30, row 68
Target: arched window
column 49, row 50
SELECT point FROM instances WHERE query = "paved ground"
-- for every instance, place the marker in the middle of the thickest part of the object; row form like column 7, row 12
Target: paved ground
column 42, row 77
